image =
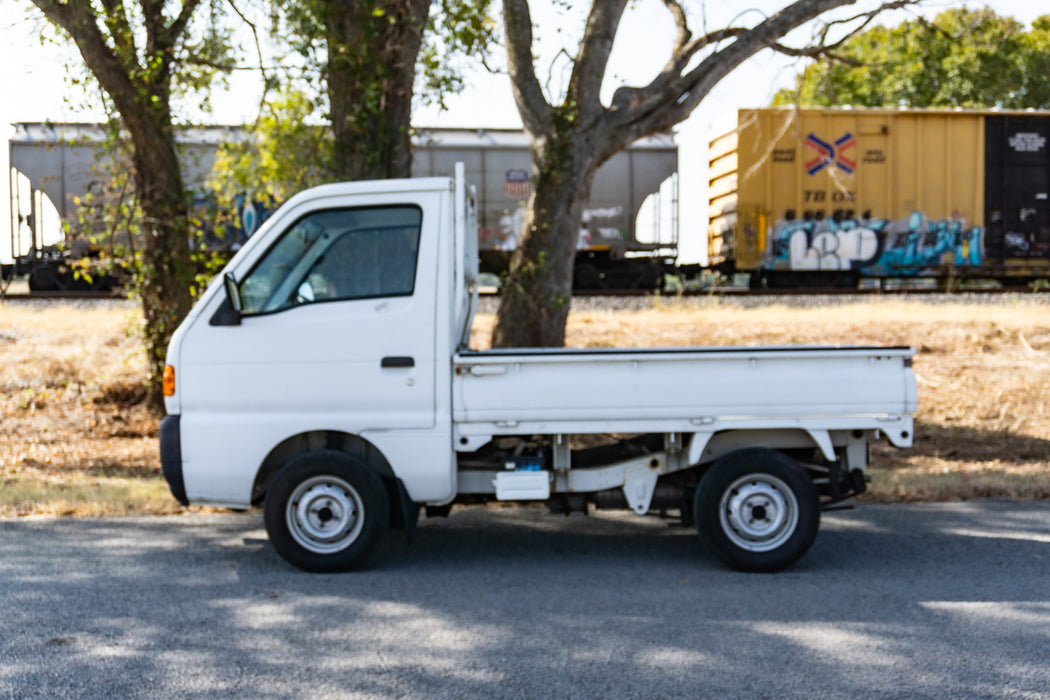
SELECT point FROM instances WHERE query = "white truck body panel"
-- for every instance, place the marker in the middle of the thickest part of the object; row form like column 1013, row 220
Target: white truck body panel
column 679, row 389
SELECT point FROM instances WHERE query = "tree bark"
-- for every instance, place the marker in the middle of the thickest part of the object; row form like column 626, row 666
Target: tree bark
column 371, row 71
column 538, row 289
column 167, row 270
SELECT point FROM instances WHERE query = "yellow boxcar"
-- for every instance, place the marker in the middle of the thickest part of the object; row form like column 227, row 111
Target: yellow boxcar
column 842, row 192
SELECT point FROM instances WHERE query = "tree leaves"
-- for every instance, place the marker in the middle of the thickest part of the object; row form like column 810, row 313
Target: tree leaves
column 962, row 58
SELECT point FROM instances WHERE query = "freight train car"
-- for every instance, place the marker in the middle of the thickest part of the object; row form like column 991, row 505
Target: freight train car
column 822, row 197
column 60, row 162
column 610, row 252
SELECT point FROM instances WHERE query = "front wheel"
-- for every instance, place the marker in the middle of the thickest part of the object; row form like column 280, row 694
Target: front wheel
column 757, row 510
column 326, row 511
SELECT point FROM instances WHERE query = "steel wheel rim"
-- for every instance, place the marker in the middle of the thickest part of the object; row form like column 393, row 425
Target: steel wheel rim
column 325, row 514
column 758, row 512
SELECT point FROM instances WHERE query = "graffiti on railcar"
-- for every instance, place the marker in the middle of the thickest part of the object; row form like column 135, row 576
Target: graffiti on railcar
column 872, row 246
column 227, row 228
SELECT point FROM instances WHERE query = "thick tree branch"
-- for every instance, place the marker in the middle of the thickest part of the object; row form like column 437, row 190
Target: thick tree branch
column 681, row 24
column 528, row 94
column 588, row 71
column 153, row 19
column 664, row 103
column 627, row 96
column 116, row 20
column 817, row 52
column 77, row 20
column 178, row 26
column 168, row 36
column 697, row 83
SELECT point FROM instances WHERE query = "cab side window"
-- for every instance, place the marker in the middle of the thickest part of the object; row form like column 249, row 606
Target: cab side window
column 337, row 254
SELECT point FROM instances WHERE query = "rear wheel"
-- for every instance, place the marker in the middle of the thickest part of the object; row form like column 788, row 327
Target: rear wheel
column 757, row 510
column 326, row 511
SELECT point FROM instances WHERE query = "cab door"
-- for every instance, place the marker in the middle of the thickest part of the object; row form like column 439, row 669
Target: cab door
column 336, row 332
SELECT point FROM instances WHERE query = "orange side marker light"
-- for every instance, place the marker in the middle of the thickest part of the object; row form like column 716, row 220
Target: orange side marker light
column 169, row 381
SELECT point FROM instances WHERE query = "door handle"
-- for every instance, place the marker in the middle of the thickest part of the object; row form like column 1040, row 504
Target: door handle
column 397, row 362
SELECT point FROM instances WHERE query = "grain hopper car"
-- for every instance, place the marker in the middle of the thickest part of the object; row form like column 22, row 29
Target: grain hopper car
column 55, row 164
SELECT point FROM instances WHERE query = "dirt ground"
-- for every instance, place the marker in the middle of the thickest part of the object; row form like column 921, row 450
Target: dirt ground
column 76, row 438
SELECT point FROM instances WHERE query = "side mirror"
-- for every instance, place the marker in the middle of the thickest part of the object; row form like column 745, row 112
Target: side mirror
column 228, row 314
column 233, row 293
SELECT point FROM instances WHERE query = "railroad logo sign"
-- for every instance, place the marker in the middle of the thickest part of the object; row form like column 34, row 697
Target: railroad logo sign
column 1027, row 143
column 831, row 154
column 516, row 183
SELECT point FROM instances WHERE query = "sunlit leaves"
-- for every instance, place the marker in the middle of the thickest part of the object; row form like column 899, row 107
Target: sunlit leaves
column 961, row 58
column 458, row 30
column 287, row 151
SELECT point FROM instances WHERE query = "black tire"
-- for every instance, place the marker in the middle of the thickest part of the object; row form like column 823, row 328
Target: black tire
column 326, row 511
column 45, row 278
column 757, row 510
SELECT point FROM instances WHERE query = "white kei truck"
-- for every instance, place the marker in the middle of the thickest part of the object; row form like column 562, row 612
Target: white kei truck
column 327, row 376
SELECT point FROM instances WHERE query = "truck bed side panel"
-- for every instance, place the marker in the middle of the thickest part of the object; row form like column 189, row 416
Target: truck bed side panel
column 554, row 386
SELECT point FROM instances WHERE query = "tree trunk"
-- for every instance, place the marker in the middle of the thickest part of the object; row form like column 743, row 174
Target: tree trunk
column 372, row 51
column 142, row 97
column 167, row 271
column 538, row 291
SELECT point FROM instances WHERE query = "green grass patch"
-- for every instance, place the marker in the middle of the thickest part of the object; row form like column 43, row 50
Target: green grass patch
column 83, row 496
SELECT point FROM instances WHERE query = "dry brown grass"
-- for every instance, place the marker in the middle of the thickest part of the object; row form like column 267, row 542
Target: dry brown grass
column 76, row 441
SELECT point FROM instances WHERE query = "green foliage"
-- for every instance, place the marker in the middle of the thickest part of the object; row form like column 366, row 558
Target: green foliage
column 107, row 219
column 962, row 58
column 360, row 65
column 205, row 56
column 456, row 30
column 107, row 231
column 286, row 151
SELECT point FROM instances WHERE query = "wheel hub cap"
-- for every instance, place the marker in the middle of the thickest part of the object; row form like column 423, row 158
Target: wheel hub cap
column 324, row 514
column 758, row 512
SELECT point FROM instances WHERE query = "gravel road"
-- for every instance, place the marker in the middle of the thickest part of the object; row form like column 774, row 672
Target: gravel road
column 947, row 600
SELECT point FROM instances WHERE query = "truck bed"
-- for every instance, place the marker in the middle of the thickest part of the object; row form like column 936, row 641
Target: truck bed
column 681, row 389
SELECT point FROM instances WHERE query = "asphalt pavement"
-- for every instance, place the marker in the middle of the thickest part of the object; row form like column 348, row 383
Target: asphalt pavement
column 916, row 601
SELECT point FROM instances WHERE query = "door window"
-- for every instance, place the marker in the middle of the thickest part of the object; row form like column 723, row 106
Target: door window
column 337, row 254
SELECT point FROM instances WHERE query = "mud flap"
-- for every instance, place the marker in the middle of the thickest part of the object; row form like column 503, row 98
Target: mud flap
column 409, row 511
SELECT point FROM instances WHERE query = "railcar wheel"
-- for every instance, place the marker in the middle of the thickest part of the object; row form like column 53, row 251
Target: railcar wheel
column 757, row 510
column 326, row 511
column 587, row 278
